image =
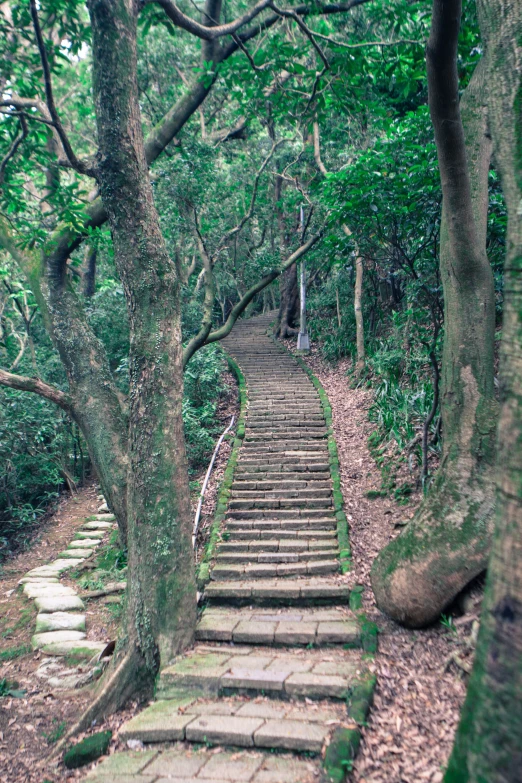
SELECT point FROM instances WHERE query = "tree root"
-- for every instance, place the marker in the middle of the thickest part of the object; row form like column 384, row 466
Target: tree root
column 128, row 679
column 436, row 556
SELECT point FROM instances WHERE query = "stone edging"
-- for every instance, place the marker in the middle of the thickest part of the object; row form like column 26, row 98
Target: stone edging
column 203, row 574
column 61, row 620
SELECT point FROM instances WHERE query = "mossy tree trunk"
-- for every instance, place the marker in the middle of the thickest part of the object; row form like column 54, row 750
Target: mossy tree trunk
column 93, row 399
column 488, row 741
column 161, row 610
column 447, row 543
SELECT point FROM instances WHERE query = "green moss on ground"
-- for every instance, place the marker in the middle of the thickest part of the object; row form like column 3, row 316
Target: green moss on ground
column 89, row 749
column 214, row 538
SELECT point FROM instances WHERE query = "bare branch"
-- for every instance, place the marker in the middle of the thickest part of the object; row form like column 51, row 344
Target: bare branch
column 305, row 29
column 202, row 31
column 77, row 164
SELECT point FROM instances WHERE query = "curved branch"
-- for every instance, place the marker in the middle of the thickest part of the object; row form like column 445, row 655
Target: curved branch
column 199, row 340
column 77, row 164
column 245, row 300
column 14, row 146
column 202, row 31
column 37, row 386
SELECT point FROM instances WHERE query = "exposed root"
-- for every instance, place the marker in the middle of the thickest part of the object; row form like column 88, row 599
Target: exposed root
column 127, row 680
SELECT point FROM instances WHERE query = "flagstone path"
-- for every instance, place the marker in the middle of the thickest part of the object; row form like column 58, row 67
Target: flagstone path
column 61, row 621
column 277, row 655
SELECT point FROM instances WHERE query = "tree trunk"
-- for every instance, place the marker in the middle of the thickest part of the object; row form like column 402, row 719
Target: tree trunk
column 161, row 605
column 288, row 286
column 487, row 745
column 447, row 543
column 96, row 404
column 359, row 322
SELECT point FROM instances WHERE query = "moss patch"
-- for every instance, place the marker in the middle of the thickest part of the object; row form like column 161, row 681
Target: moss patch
column 203, row 575
column 89, row 749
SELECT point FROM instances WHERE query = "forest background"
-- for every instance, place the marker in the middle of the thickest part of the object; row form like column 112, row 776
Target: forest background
column 340, row 129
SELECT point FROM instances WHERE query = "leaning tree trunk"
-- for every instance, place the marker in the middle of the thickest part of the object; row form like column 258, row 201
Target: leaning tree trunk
column 488, row 741
column 96, row 405
column 161, row 601
column 447, row 543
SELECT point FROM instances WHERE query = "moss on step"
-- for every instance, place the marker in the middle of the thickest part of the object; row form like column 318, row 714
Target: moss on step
column 89, row 749
column 333, row 456
column 203, row 575
column 345, row 742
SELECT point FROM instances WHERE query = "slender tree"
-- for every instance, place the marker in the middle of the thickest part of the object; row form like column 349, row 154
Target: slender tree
column 448, row 542
column 487, row 745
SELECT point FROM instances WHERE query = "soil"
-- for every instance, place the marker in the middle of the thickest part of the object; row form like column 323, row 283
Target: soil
column 420, row 688
column 34, row 723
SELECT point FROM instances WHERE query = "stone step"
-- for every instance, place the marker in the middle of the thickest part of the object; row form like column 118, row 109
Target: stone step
column 268, row 556
column 228, row 670
column 274, row 725
column 274, row 571
column 298, row 434
column 310, row 627
column 203, row 765
column 274, row 592
column 256, row 534
column 266, row 484
column 286, row 521
column 281, row 493
column 276, row 545
column 271, row 471
column 263, row 504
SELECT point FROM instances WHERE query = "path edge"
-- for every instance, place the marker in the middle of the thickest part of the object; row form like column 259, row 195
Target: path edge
column 345, row 553
column 203, row 571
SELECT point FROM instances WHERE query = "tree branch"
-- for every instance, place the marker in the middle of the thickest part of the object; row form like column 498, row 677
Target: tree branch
column 202, row 31
column 14, row 146
column 208, row 304
column 77, row 164
column 37, row 386
column 245, row 300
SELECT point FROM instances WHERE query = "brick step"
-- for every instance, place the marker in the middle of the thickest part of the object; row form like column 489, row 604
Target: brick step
column 283, row 492
column 265, row 484
column 305, row 515
column 275, row 725
column 273, row 470
column 280, row 423
column 277, row 434
column 278, row 592
column 286, row 448
column 315, row 627
column 226, row 671
column 278, row 545
column 271, row 557
column 260, row 420
column 283, row 503
column 299, row 518
column 273, row 571
column 255, row 534
column 176, row 764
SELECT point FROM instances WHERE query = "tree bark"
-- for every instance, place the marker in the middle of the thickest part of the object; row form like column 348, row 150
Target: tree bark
column 447, row 543
column 96, row 404
column 161, row 601
column 288, row 288
column 487, row 744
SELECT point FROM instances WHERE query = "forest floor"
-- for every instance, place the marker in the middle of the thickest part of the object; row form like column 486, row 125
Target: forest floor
column 419, row 688
column 34, row 723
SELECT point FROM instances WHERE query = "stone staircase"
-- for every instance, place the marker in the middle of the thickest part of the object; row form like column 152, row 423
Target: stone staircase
column 278, row 652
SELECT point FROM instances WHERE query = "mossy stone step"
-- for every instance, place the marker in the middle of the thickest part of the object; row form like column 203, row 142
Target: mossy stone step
column 316, row 627
column 277, row 545
column 277, row 592
column 266, row 670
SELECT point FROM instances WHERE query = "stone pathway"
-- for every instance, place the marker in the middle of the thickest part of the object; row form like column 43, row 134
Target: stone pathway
column 277, row 663
column 61, row 620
